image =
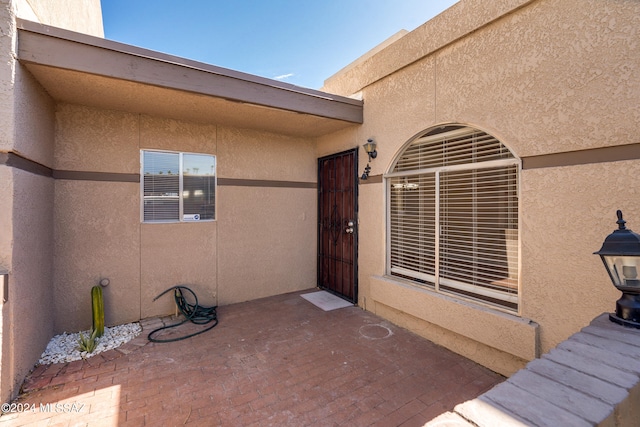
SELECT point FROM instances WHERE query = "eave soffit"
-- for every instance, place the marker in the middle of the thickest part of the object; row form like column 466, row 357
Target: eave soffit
column 87, row 70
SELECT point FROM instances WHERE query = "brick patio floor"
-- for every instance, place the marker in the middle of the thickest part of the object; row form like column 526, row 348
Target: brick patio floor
column 275, row 361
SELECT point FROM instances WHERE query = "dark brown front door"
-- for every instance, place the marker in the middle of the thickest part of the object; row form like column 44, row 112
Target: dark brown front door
column 338, row 224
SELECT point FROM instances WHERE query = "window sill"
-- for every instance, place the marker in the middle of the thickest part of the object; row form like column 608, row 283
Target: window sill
column 207, row 221
column 506, row 332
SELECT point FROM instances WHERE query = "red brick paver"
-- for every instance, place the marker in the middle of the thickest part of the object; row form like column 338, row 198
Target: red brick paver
column 275, row 361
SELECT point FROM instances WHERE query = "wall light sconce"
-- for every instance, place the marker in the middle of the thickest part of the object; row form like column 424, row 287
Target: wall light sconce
column 620, row 254
column 370, row 149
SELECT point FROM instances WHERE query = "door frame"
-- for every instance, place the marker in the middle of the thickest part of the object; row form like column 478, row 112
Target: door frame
column 356, row 183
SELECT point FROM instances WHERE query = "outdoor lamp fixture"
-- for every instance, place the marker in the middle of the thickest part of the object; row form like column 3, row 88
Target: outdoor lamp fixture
column 620, row 254
column 370, row 148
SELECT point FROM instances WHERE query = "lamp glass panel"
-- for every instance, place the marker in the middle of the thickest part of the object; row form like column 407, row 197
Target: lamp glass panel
column 369, row 147
column 623, row 270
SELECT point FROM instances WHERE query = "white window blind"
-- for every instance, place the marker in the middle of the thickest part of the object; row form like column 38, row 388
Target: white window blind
column 177, row 186
column 453, row 215
column 161, row 182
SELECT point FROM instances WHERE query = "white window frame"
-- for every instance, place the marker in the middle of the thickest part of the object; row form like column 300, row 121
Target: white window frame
column 181, row 216
column 434, row 282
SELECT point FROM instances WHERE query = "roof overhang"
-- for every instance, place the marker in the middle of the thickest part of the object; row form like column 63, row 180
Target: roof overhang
column 86, row 70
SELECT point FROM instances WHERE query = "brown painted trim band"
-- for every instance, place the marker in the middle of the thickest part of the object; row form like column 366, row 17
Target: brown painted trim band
column 570, row 158
column 583, row 157
column 134, row 177
column 264, row 183
column 96, row 176
column 22, row 163
column 373, row 179
column 17, row 161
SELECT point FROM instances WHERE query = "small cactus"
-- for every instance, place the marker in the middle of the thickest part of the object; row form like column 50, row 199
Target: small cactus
column 97, row 305
column 89, row 342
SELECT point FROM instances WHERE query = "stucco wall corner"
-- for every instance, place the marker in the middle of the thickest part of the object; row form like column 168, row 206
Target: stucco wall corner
column 84, row 16
column 7, row 68
column 6, row 190
column 460, row 20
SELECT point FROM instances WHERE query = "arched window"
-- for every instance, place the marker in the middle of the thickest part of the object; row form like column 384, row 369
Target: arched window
column 453, row 215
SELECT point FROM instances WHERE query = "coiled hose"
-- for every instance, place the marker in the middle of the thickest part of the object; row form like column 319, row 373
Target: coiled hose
column 193, row 313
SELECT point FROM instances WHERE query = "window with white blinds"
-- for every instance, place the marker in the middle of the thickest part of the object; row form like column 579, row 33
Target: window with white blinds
column 453, row 215
column 177, row 186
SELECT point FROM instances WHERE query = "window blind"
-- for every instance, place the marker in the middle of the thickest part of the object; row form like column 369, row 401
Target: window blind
column 178, row 186
column 453, row 215
column 161, row 184
column 413, row 225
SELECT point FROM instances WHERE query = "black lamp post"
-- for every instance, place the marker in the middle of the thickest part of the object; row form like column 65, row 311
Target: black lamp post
column 620, row 254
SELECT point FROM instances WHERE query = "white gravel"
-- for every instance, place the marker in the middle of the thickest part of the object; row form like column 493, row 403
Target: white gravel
column 65, row 347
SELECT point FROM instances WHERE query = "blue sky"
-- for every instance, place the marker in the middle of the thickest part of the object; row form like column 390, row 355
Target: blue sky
column 297, row 41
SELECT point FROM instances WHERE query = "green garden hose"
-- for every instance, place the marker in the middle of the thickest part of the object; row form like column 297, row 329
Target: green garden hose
column 193, row 313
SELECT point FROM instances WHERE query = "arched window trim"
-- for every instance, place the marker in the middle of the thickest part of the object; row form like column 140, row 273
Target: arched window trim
column 492, row 293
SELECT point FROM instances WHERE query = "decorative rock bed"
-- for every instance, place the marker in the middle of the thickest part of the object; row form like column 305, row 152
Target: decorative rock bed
column 64, row 347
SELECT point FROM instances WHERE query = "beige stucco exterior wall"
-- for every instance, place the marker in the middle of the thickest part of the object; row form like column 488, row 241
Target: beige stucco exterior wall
column 266, row 229
column 30, row 312
column 100, row 218
column 6, row 365
column 83, row 16
column 567, row 213
column 552, row 91
column 26, row 240
column 262, row 243
column 32, row 231
column 549, row 76
column 267, row 242
column 7, row 67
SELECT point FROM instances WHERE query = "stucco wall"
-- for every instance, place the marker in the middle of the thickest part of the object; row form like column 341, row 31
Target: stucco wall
column 267, row 242
column 554, row 76
column 267, row 235
column 6, row 365
column 29, row 313
column 83, row 16
column 550, row 76
column 30, row 293
column 99, row 218
column 567, row 213
column 7, row 66
column 262, row 243
column 97, row 235
column 26, row 198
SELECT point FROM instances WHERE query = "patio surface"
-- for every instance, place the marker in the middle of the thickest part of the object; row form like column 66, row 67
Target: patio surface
column 274, row 361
